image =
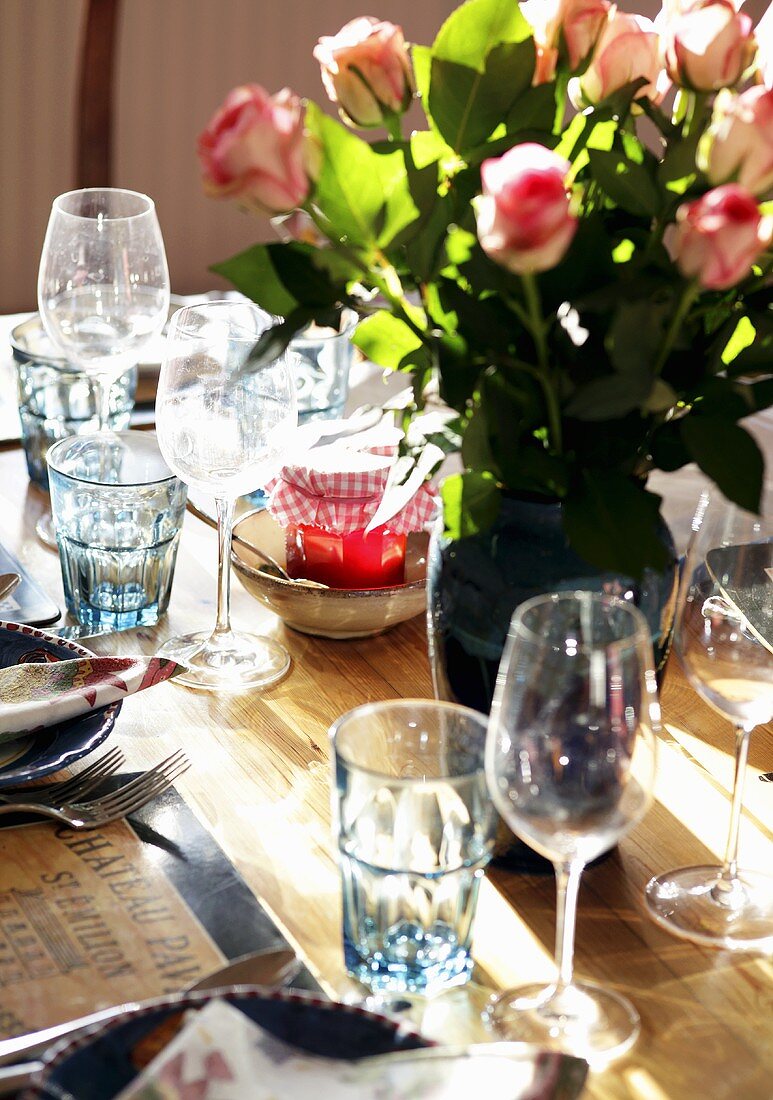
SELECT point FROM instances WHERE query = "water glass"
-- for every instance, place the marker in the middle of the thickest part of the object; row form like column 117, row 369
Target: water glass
column 117, row 510
column 56, row 400
column 415, row 829
column 320, row 359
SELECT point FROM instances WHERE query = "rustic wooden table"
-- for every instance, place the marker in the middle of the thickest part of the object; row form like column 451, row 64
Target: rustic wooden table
column 259, row 782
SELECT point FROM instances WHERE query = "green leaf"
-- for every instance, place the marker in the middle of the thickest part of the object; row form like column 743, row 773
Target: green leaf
column 611, row 396
column 678, row 171
column 476, row 449
column 389, row 341
column 275, row 340
column 754, row 357
column 728, row 455
column 296, row 266
column 612, row 522
column 474, row 28
column 470, row 503
column 428, row 147
column 627, row 183
column 349, row 191
column 400, row 210
column 253, row 274
column 467, row 105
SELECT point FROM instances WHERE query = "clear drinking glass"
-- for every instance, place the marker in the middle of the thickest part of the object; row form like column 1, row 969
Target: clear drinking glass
column 724, row 638
column 570, row 763
column 103, row 285
column 221, row 426
column 118, row 510
column 415, row 829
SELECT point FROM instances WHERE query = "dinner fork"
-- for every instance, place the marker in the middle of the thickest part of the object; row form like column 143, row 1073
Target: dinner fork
column 68, row 790
column 118, row 804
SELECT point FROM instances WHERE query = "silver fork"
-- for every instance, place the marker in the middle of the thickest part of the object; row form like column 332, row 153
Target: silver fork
column 118, row 804
column 68, row 790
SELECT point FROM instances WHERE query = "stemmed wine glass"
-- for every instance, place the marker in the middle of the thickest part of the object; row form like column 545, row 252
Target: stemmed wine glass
column 724, row 638
column 221, row 426
column 570, row 764
column 103, row 286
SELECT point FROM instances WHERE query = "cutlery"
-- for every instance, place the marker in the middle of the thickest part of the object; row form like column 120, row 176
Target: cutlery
column 271, row 967
column 8, row 581
column 54, row 794
column 118, row 804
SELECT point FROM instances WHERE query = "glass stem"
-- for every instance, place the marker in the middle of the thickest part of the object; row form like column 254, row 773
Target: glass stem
column 101, row 386
column 727, row 888
column 225, row 522
column 567, row 887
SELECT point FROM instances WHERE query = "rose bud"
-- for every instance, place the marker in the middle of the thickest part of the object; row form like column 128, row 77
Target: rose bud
column 570, row 27
column 708, row 45
column 738, row 144
column 253, row 150
column 523, row 216
column 718, row 237
column 366, row 71
column 628, row 49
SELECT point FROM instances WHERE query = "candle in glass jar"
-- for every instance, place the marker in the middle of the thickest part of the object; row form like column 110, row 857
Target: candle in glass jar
column 351, row 559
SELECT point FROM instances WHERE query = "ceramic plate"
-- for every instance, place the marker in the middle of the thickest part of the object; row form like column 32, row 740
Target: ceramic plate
column 50, row 750
column 98, row 1066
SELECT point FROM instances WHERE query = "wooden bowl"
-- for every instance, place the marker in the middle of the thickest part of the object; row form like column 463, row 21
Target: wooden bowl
column 327, row 612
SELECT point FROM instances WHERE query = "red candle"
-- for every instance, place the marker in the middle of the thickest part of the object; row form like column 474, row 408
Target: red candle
column 349, row 559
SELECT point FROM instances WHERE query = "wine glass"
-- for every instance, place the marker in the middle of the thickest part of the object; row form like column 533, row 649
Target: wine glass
column 724, row 638
column 570, row 764
column 221, row 426
column 103, row 287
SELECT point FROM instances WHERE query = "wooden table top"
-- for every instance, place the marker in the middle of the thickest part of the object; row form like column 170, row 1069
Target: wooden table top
column 259, row 782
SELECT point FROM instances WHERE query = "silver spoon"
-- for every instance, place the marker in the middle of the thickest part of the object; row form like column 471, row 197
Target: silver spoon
column 273, row 565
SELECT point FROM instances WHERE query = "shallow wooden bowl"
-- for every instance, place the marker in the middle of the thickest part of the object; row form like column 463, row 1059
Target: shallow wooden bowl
column 327, row 612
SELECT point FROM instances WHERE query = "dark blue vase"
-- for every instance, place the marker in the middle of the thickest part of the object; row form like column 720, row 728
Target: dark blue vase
column 474, row 585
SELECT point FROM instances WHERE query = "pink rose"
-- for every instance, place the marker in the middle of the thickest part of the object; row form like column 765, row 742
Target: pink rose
column 573, row 25
column 523, row 215
column 366, row 70
column 718, row 237
column 739, row 142
column 764, row 36
column 253, row 150
column 628, row 48
column 707, row 44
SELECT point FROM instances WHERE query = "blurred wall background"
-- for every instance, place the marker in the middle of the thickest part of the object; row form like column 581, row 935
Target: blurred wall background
column 176, row 61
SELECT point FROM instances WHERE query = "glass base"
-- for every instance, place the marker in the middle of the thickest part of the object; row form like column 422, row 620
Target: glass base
column 229, row 662
column 46, row 532
column 691, row 904
column 584, row 1019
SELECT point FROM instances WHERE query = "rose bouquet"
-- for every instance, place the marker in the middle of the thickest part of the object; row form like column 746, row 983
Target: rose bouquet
column 574, row 252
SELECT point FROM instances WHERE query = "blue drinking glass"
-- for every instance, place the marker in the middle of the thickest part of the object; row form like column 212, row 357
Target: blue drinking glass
column 415, row 828
column 118, row 510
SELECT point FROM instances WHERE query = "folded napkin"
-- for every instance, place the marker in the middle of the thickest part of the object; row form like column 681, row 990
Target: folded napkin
column 220, row 1054
column 34, row 696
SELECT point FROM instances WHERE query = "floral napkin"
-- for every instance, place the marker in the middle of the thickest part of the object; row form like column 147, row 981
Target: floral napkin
column 36, row 695
column 220, row 1054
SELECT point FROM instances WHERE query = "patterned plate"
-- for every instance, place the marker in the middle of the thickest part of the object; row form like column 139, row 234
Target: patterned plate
column 32, row 757
column 97, row 1066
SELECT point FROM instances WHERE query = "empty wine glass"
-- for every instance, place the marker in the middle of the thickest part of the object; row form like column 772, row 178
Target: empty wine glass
column 221, row 426
column 103, row 288
column 724, row 638
column 570, row 763
column 103, row 285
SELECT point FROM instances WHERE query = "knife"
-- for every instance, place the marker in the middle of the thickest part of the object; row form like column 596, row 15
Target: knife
column 273, row 967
